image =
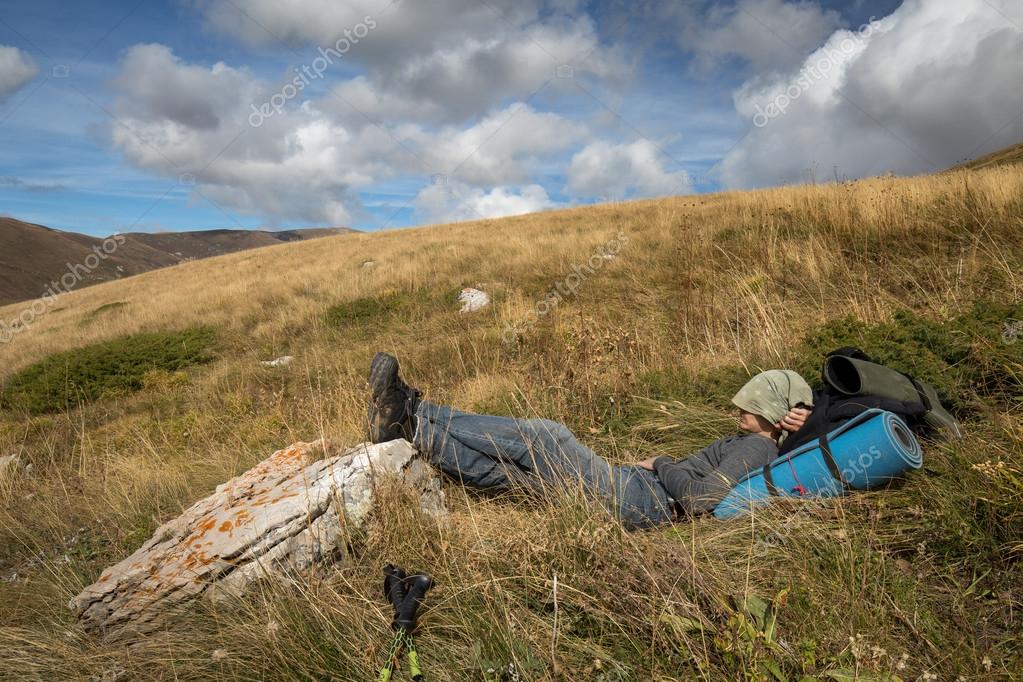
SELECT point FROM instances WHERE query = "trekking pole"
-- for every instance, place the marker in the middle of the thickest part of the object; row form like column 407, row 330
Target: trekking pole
column 405, row 593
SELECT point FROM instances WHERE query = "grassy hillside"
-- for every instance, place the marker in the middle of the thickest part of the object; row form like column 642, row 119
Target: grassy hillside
column 1002, row 157
column 640, row 357
column 37, row 261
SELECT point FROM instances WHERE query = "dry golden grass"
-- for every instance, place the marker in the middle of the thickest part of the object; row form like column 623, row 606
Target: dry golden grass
column 718, row 281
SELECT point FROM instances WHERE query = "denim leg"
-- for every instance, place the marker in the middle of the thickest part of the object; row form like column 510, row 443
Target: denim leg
column 544, row 448
column 442, row 435
column 487, row 451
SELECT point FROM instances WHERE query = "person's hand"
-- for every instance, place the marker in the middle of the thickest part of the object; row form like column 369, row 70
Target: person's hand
column 647, row 463
column 794, row 419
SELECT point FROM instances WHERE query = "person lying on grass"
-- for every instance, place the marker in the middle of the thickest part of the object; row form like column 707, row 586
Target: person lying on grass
column 543, row 456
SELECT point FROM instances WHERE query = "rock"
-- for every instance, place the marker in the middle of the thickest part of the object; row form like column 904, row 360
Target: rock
column 9, row 465
column 472, row 300
column 282, row 361
column 284, row 514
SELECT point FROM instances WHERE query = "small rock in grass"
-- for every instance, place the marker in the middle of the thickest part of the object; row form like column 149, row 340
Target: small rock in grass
column 9, row 464
column 472, row 300
column 282, row 361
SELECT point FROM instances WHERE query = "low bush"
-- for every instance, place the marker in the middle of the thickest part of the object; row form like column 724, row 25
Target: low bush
column 112, row 367
column 972, row 359
column 361, row 310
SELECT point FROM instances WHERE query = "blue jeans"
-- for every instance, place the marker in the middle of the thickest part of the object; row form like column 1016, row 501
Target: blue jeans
column 539, row 455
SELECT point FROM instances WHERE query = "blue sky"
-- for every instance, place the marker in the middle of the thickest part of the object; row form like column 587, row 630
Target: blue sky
column 144, row 116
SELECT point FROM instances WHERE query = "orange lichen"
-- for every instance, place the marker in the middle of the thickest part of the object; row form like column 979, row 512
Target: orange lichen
column 205, row 526
column 225, row 527
column 282, row 497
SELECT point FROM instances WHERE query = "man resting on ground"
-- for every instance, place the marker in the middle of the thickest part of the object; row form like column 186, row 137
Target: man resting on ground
column 543, row 456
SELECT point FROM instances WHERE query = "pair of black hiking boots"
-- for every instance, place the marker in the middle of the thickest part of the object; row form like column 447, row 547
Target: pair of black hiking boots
column 393, row 403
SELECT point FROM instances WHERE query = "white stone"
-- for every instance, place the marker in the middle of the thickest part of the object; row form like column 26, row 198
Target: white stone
column 283, row 515
column 472, row 300
column 9, row 465
column 282, row 361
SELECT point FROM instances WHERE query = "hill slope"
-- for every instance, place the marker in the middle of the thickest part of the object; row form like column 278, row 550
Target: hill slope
column 34, row 257
column 1009, row 155
column 637, row 353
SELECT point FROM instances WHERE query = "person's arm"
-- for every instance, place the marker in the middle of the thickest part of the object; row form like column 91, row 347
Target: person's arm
column 699, row 482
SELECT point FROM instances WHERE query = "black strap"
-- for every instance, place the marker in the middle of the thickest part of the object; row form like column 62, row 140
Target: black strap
column 829, row 460
column 772, row 489
column 920, row 392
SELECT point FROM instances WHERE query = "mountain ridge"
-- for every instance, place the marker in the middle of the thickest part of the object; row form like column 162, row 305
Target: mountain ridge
column 36, row 260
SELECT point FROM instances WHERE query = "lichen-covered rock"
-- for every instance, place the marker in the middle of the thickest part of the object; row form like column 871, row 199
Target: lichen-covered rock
column 288, row 512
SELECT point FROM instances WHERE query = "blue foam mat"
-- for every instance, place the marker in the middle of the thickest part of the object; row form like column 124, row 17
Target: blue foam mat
column 870, row 449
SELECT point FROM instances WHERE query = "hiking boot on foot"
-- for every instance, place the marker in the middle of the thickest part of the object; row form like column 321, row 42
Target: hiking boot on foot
column 393, row 403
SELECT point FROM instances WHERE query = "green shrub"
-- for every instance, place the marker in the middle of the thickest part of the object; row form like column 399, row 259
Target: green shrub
column 361, row 310
column 112, row 367
column 971, row 359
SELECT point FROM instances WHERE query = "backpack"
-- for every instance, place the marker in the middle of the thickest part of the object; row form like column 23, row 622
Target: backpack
column 853, row 383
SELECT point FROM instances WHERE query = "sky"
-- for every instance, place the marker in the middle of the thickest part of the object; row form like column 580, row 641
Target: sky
column 159, row 115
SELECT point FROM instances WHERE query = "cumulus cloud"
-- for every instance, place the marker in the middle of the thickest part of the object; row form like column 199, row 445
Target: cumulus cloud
column 916, row 91
column 441, row 62
column 302, row 161
column 610, row 171
column 765, row 34
column 16, row 69
column 404, row 29
column 191, row 122
column 502, row 148
column 445, row 202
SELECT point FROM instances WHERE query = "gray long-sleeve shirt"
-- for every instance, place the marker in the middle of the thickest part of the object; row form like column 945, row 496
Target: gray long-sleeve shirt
column 702, row 480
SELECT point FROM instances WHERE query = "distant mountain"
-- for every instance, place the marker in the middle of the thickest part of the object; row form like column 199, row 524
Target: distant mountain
column 35, row 259
column 1002, row 157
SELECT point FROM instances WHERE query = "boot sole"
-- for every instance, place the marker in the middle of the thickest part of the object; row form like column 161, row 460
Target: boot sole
column 382, row 372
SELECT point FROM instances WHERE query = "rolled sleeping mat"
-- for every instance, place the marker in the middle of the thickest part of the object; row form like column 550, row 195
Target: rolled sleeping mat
column 867, row 451
column 852, row 376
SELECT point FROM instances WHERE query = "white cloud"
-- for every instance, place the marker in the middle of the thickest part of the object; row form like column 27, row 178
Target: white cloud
column 302, row 161
column 443, row 62
column 404, row 29
column 767, row 34
column 186, row 121
column 619, row 171
column 502, row 148
column 16, row 69
column 446, row 202
column 919, row 91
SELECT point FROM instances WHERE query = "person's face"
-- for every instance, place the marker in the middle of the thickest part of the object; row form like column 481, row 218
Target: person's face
column 752, row 423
